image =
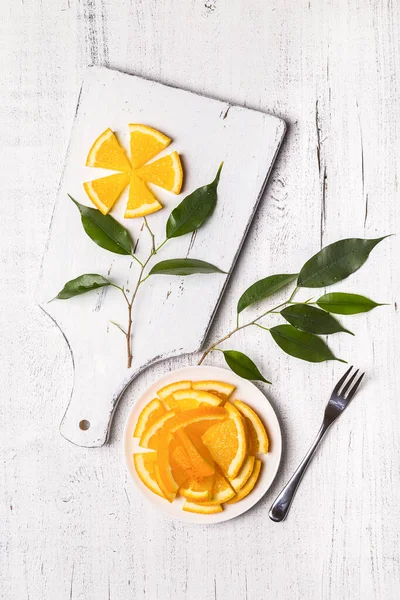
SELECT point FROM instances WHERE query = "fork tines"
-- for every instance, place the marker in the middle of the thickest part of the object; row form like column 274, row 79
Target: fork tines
column 347, row 388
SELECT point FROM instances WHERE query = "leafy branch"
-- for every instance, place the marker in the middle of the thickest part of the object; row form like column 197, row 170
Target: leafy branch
column 109, row 234
column 305, row 321
column 308, row 320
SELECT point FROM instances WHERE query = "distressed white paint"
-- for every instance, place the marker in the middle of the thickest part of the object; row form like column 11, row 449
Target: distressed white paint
column 170, row 316
column 71, row 524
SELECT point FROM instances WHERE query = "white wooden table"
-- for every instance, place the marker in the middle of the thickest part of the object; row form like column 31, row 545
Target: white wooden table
column 72, row 527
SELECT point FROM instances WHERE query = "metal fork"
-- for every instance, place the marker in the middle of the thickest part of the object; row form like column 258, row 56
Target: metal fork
column 339, row 400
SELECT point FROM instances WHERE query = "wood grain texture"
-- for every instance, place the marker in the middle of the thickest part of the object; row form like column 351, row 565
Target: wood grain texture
column 71, row 524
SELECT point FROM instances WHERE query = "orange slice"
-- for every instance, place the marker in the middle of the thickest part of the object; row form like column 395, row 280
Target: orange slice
column 151, row 412
column 218, row 388
column 249, row 485
column 167, row 390
column 145, row 468
column 194, row 416
column 146, row 143
column 199, row 429
column 141, row 201
column 183, row 400
column 201, row 509
column 107, row 153
column 163, row 471
column 181, row 466
column 166, row 172
column 215, row 388
column 256, row 434
column 244, row 473
column 200, row 459
column 181, row 457
column 170, row 496
column 221, row 491
column 105, row 191
column 226, row 442
column 152, row 436
column 198, row 490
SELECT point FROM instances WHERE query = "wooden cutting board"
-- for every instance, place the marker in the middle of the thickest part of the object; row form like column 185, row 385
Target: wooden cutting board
column 172, row 315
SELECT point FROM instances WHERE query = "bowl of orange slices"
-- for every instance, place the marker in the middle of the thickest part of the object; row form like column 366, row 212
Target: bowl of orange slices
column 202, row 444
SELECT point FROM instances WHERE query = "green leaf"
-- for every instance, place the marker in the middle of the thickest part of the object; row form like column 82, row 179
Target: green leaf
column 346, row 304
column 104, row 230
column 263, row 288
column 194, row 210
column 242, row 365
column 300, row 344
column 81, row 285
column 183, row 266
column 311, row 319
column 336, row 262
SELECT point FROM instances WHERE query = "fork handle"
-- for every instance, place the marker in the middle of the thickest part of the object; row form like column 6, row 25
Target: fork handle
column 280, row 507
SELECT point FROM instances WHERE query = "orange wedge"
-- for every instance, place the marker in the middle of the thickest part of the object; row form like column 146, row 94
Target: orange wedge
column 181, row 457
column 194, row 416
column 226, row 442
column 167, row 390
column 105, row 191
column 151, row 412
column 166, row 172
column 221, row 491
column 244, row 473
column 170, row 496
column 146, row 143
column 205, row 445
column 199, row 429
column 198, row 490
column 180, row 463
column 249, row 485
column 163, row 471
column 141, row 201
column 189, row 399
column 145, row 468
column 200, row 459
column 218, row 388
column 152, row 436
column 256, row 434
column 107, row 153
column 201, row 509
column 209, row 387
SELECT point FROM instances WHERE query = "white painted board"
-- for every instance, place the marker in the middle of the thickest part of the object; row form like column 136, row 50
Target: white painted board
column 68, row 528
column 172, row 314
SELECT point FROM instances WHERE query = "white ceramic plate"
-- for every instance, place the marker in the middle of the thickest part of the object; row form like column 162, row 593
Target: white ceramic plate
column 251, row 395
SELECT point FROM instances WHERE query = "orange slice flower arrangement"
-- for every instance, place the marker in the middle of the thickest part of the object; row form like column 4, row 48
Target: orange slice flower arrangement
column 145, row 144
column 199, row 445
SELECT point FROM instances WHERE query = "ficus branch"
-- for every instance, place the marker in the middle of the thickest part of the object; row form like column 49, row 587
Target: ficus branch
column 248, row 324
column 141, row 279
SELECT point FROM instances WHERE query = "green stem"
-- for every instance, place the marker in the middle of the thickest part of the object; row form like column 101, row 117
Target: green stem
column 239, row 327
column 139, row 282
column 296, row 289
column 137, row 260
column 119, row 327
column 161, row 245
column 261, row 326
column 144, row 278
column 122, row 290
column 153, row 242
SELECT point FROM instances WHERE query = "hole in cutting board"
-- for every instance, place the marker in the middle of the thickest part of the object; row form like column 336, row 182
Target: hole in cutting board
column 84, row 425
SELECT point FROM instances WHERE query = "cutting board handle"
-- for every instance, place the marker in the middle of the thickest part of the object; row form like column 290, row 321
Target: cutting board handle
column 89, row 414
column 95, row 397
